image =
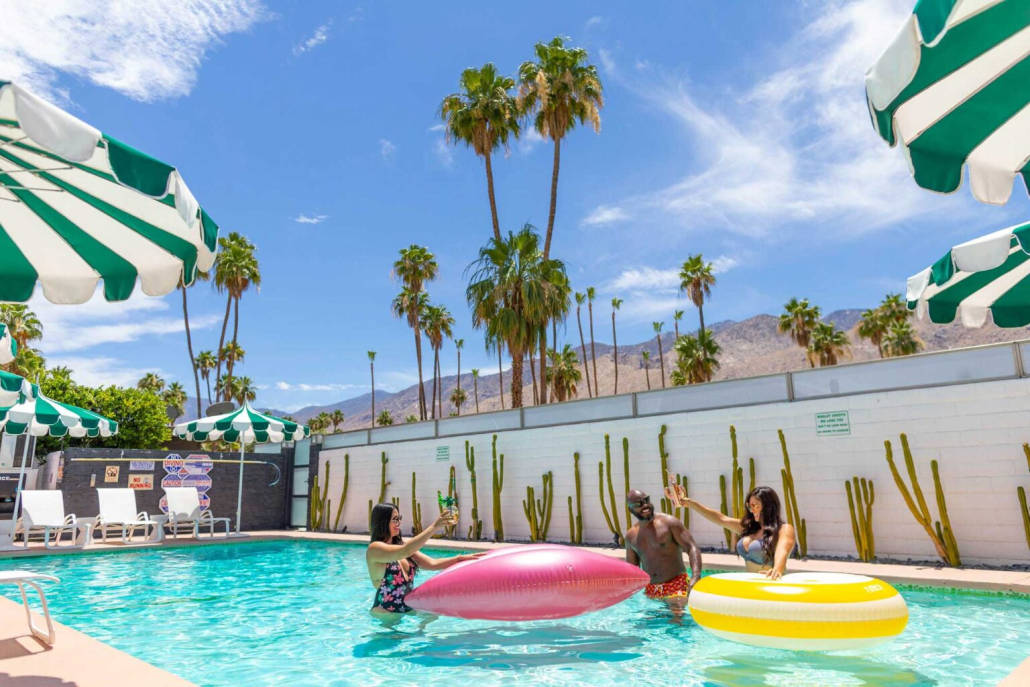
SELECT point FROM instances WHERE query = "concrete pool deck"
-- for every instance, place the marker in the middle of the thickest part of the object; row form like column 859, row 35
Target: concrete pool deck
column 78, row 660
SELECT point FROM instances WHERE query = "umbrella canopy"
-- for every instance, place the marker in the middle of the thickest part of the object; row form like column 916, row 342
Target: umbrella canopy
column 41, row 416
column 243, row 424
column 953, row 88
column 988, row 274
column 8, row 346
column 78, row 206
column 13, row 389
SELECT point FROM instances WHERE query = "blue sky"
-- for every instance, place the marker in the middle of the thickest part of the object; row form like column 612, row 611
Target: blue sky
column 311, row 127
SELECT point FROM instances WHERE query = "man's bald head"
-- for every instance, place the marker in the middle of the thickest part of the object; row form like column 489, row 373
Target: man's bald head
column 639, row 504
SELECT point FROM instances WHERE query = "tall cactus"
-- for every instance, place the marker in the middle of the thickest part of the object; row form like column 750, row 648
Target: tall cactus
column 611, row 519
column 725, row 511
column 416, row 509
column 498, row 484
column 791, row 498
column 383, row 484
column 681, row 481
column 452, row 493
column 538, row 511
column 315, row 507
column 1022, row 499
column 860, row 506
column 576, row 521
column 476, row 528
column 343, row 497
column 530, row 510
column 625, row 476
column 941, row 536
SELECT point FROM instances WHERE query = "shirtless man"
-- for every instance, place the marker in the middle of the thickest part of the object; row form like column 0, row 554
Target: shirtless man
column 656, row 543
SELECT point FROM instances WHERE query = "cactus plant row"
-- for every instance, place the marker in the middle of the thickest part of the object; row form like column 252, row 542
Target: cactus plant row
column 576, row 520
column 416, row 509
column 1022, row 499
column 941, row 536
column 860, row 506
column 476, row 528
column 498, row 484
column 612, row 519
column 538, row 511
column 343, row 496
column 383, row 484
column 320, row 504
column 790, row 498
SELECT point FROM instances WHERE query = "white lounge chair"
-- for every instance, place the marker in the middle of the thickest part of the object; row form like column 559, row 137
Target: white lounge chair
column 184, row 509
column 118, row 510
column 44, row 510
column 22, row 578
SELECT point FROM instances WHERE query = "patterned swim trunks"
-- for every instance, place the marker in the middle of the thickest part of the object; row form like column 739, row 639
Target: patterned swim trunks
column 677, row 586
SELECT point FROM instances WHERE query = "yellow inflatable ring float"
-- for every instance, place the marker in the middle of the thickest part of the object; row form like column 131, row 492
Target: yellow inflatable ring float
column 800, row 611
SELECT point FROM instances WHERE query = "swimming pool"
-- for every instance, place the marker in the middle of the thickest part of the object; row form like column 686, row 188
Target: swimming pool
column 296, row 613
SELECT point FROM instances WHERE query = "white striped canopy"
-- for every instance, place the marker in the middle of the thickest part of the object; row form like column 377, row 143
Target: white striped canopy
column 41, row 416
column 988, row 274
column 78, row 207
column 244, row 424
column 13, row 389
column 953, row 88
column 8, row 346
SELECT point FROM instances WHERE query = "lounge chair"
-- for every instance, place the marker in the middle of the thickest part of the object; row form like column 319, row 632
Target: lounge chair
column 184, row 509
column 22, row 578
column 44, row 510
column 118, row 510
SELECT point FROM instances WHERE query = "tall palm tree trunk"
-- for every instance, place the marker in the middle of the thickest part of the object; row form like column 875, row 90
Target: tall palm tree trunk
column 516, row 380
column 701, row 315
column 475, row 386
column 593, row 351
column 432, row 399
column 207, row 380
column 221, row 345
column 421, row 384
column 490, row 191
column 189, row 346
column 543, row 364
column 500, row 374
column 583, row 347
column 647, row 374
column 532, row 373
column 439, row 392
column 458, row 408
column 677, row 326
column 372, row 367
column 661, row 358
column 231, row 363
column 615, row 355
column 554, row 198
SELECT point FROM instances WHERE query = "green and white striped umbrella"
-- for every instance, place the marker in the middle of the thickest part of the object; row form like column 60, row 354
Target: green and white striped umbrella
column 78, row 207
column 14, row 389
column 8, row 346
column 954, row 88
column 41, row 416
column 988, row 274
column 243, row 425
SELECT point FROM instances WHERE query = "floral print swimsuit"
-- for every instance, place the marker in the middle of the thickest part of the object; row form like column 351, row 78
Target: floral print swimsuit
column 393, row 588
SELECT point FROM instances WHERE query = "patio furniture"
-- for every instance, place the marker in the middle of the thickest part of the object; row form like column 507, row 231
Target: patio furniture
column 22, row 578
column 184, row 509
column 44, row 510
column 118, row 510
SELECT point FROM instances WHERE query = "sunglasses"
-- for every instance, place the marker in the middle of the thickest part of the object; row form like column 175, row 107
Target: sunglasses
column 637, row 504
column 397, row 518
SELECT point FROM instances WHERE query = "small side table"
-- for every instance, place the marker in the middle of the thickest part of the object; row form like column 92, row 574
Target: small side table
column 159, row 529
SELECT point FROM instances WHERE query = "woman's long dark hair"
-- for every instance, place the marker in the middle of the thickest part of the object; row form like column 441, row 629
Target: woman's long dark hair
column 771, row 519
column 380, row 524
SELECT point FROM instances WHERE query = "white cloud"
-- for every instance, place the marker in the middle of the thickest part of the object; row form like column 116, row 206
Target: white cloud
column 287, row 386
column 607, row 60
column 604, row 214
column 724, row 263
column 438, row 127
column 103, row 371
column 529, row 140
column 320, row 36
column 443, row 152
column 305, row 218
column 146, row 49
column 646, row 278
column 596, row 21
column 387, row 149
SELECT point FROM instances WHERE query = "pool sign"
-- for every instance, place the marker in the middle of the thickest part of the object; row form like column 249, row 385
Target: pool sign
column 141, row 482
column 188, row 472
column 443, row 454
column 146, row 465
column 835, row 423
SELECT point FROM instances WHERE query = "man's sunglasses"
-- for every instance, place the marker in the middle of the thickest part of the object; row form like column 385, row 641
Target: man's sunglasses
column 637, row 504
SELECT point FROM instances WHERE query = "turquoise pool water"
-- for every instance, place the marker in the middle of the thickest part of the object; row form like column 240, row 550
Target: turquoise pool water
column 296, row 613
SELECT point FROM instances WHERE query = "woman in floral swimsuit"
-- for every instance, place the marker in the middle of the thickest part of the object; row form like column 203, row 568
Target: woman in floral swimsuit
column 393, row 562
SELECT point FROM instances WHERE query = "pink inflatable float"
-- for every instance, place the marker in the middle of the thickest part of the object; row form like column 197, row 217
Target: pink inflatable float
column 538, row 582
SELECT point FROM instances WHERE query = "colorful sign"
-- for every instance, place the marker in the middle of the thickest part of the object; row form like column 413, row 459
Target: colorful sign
column 111, row 473
column 832, row 424
column 188, row 472
column 145, row 465
column 141, row 482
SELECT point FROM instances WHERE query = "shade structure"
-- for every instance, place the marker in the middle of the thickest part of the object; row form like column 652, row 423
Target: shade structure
column 243, row 425
column 8, row 346
column 990, row 274
column 13, row 389
column 953, row 88
column 40, row 416
column 79, row 207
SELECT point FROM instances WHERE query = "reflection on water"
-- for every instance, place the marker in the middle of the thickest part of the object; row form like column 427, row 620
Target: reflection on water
column 796, row 668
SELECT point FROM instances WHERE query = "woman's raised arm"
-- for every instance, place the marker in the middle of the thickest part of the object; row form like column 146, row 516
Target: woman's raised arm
column 381, row 552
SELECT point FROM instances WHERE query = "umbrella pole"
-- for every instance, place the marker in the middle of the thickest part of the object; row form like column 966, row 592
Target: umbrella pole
column 239, row 495
column 21, row 477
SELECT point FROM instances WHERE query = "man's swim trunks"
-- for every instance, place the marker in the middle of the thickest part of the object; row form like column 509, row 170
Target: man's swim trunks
column 677, row 586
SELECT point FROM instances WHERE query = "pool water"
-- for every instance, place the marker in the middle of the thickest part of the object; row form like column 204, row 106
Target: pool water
column 296, row 613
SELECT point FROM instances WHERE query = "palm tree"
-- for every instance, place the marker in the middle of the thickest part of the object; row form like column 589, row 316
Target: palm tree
column 199, row 276
column 895, row 309
column 457, row 398
column 29, row 363
column 483, row 116
column 205, row 364
column 874, row 326
column 227, row 388
column 493, row 342
column 236, row 270
column 244, row 389
column 458, row 345
column 337, row 417
column 900, row 340
column 407, row 420
column 385, row 419
column 437, row 323
column 21, row 322
column 232, row 353
column 697, row 278
column 415, row 268
column 828, row 344
column 509, row 292
column 532, row 373
column 798, row 320
column 676, row 317
column 372, row 369
column 558, row 304
column 646, row 356
column 593, row 353
column 175, row 396
column 475, row 386
column 616, row 304
column 697, row 359
column 151, row 382
column 324, row 420
column 661, row 358
column 564, row 373
column 580, row 299
column 561, row 89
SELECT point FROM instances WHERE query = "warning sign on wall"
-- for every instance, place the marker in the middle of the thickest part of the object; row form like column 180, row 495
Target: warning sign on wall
column 836, row 423
column 141, row 482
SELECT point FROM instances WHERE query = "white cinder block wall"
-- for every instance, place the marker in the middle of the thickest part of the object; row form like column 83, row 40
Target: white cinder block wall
column 975, row 432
